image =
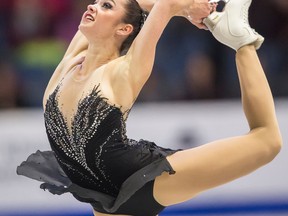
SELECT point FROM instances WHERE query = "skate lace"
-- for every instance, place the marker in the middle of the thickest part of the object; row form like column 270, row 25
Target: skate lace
column 244, row 13
column 245, row 10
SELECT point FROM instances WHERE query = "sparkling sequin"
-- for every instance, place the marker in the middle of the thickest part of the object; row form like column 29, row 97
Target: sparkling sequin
column 95, row 126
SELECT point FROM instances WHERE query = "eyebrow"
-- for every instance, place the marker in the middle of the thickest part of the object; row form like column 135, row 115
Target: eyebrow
column 97, row 1
column 113, row 2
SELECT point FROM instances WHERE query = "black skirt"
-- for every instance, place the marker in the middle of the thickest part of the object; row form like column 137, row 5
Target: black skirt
column 44, row 167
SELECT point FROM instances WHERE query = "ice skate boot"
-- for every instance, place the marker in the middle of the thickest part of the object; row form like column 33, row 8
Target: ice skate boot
column 231, row 26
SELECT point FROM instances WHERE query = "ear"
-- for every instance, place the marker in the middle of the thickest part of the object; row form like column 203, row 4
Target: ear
column 124, row 30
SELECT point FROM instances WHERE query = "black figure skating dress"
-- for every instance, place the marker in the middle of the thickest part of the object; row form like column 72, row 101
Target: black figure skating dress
column 94, row 160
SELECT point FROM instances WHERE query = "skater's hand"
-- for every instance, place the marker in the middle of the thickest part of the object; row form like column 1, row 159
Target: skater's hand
column 199, row 10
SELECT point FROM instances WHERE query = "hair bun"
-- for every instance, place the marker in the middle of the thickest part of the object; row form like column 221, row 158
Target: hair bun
column 144, row 16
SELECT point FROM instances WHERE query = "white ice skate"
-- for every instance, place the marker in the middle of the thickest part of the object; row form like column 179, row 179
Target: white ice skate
column 231, row 26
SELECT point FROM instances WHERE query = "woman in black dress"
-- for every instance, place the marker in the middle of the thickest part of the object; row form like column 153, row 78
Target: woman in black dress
column 94, row 87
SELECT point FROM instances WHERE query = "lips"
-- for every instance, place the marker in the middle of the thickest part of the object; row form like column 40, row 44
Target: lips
column 89, row 17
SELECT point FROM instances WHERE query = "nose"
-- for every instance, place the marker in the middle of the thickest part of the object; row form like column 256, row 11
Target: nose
column 91, row 7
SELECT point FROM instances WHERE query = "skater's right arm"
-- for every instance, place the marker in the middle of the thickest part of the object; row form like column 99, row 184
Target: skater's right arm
column 73, row 56
column 77, row 46
column 195, row 13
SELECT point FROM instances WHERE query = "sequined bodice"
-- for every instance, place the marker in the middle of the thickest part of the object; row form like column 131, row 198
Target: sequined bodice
column 96, row 128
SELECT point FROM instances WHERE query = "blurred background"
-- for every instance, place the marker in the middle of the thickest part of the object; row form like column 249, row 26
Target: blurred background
column 194, row 81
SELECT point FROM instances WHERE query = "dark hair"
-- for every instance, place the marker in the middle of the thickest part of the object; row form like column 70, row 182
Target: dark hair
column 135, row 16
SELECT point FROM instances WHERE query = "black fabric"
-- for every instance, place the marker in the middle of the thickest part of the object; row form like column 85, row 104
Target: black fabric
column 94, row 160
column 142, row 203
column 43, row 166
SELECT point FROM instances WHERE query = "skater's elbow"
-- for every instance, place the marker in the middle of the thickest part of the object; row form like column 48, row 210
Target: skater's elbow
column 272, row 140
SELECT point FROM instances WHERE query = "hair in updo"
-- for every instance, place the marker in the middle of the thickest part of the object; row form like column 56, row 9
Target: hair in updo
column 135, row 16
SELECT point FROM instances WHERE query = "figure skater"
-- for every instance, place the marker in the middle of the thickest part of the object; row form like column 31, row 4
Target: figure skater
column 90, row 94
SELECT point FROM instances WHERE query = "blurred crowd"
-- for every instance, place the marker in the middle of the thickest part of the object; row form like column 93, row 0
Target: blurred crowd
column 190, row 63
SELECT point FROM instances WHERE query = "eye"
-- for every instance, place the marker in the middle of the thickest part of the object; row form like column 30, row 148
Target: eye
column 107, row 5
